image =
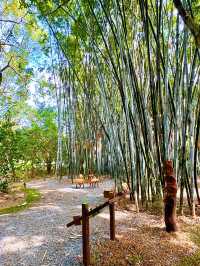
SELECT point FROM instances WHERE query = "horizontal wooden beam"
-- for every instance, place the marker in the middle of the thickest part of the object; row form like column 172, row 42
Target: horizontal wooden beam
column 78, row 219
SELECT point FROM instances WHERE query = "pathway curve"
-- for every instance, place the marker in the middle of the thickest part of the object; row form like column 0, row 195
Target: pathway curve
column 38, row 236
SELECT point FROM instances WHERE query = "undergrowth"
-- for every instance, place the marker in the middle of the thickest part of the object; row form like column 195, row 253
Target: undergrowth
column 31, row 195
column 193, row 259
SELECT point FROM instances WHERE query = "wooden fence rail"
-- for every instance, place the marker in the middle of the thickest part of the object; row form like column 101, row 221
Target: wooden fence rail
column 84, row 220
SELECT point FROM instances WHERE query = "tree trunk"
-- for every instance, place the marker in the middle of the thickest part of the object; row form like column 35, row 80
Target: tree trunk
column 170, row 191
column 49, row 165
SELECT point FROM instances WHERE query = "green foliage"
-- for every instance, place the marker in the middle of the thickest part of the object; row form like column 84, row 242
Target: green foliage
column 23, row 149
column 4, row 185
column 31, row 196
column 41, row 138
column 156, row 207
column 195, row 235
column 8, row 146
column 135, row 259
column 192, row 260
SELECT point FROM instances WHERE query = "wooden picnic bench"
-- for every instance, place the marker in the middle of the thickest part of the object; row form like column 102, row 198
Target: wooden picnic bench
column 91, row 180
column 79, row 182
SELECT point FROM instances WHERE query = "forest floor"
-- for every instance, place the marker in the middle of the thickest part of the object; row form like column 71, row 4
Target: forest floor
column 9, row 200
column 141, row 239
column 13, row 197
column 39, row 236
column 17, row 198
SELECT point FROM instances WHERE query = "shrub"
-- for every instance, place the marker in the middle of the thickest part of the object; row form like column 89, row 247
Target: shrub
column 4, row 185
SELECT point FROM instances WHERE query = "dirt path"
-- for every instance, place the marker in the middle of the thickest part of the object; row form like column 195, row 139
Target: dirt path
column 38, row 236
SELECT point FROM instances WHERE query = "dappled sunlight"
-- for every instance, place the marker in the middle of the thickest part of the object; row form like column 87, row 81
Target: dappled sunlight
column 119, row 216
column 46, row 191
column 50, row 206
column 36, row 186
column 182, row 239
column 189, row 220
column 58, row 205
column 119, row 236
column 12, row 244
column 85, row 189
column 69, row 189
column 37, row 183
column 57, row 208
column 78, row 207
column 129, row 229
column 96, row 194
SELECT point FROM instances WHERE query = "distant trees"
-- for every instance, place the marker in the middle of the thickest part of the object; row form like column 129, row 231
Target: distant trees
column 25, row 150
column 41, row 139
column 28, row 132
column 9, row 153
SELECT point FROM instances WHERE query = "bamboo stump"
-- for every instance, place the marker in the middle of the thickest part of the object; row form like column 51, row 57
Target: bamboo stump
column 170, row 191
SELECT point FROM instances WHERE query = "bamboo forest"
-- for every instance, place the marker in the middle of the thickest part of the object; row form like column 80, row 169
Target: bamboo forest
column 100, row 132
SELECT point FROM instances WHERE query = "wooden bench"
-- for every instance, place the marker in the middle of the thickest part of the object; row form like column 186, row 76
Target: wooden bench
column 92, row 181
column 79, row 182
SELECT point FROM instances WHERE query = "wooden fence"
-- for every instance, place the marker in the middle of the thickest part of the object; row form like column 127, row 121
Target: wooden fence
column 84, row 221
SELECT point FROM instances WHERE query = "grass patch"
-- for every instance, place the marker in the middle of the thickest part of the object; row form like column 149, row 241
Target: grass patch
column 135, row 259
column 195, row 235
column 95, row 257
column 156, row 207
column 31, row 195
column 193, row 259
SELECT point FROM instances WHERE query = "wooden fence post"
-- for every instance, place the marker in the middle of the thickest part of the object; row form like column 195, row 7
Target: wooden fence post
column 112, row 220
column 85, row 235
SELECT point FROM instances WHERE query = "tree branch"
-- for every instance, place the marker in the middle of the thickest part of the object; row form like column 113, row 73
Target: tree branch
column 6, row 44
column 8, row 65
column 9, row 21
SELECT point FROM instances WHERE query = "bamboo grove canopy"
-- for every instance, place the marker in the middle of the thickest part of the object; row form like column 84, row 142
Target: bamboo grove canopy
column 126, row 74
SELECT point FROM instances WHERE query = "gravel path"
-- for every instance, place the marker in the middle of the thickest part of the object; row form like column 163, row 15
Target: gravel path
column 38, row 236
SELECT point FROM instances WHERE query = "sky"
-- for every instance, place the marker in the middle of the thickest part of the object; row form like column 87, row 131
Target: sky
column 41, row 65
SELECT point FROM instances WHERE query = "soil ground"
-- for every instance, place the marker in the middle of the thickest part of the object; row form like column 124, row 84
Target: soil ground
column 39, row 236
